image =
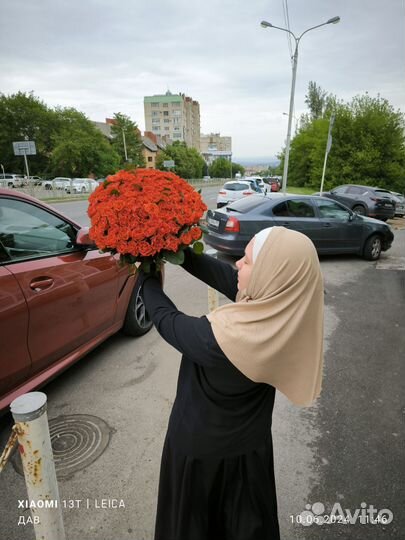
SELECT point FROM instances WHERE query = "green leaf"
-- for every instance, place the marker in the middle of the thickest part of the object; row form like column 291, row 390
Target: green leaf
column 174, row 258
column 198, row 248
column 145, row 266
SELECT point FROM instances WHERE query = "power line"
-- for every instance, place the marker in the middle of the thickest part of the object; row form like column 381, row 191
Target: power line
column 287, row 24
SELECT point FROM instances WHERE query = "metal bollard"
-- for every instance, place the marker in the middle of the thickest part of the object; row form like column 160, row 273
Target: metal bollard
column 213, row 297
column 29, row 413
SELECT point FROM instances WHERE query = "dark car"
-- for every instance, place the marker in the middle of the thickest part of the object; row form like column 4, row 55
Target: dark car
column 59, row 296
column 399, row 203
column 332, row 227
column 365, row 200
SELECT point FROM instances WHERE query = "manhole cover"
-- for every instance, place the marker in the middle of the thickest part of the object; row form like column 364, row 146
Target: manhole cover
column 77, row 441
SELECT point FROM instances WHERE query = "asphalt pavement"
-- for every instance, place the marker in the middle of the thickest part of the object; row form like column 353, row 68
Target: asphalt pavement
column 341, row 459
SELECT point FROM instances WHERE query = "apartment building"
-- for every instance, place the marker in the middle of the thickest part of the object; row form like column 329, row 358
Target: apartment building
column 175, row 116
column 213, row 146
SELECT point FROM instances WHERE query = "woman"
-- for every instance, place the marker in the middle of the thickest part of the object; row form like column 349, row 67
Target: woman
column 217, row 474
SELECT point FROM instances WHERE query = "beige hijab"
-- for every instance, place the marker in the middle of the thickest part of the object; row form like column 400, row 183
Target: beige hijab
column 273, row 333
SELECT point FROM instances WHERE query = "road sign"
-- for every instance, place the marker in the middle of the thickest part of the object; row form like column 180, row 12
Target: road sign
column 24, row 148
column 168, row 164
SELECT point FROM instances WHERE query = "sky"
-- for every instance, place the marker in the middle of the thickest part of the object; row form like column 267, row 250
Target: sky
column 104, row 56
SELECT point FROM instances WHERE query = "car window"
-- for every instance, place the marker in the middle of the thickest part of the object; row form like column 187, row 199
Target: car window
column 356, row 190
column 300, row 209
column 281, row 209
column 255, row 187
column 383, row 192
column 332, row 210
column 241, row 187
column 27, row 231
column 339, row 190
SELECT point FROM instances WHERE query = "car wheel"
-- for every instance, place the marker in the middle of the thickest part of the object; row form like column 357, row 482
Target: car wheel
column 137, row 321
column 83, row 189
column 372, row 248
column 359, row 209
column 10, row 185
column 48, row 186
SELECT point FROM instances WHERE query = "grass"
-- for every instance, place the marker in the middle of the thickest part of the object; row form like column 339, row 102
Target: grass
column 301, row 190
column 64, row 199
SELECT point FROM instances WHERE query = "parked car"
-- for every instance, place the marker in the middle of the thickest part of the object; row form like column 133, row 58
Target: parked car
column 81, row 185
column 60, row 182
column 331, row 226
column 35, row 180
column 364, row 200
column 206, row 178
column 255, row 183
column 12, row 180
column 236, row 189
column 259, row 182
column 399, row 203
column 59, row 296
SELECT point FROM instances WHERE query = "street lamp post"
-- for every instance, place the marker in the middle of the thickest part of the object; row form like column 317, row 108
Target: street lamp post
column 266, row 24
column 125, row 145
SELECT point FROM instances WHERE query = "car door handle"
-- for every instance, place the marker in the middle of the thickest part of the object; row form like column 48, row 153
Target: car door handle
column 41, row 283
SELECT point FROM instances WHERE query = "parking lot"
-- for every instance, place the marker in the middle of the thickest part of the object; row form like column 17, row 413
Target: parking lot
column 346, row 449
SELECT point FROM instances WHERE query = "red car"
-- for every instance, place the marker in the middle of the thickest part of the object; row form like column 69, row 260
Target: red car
column 59, row 296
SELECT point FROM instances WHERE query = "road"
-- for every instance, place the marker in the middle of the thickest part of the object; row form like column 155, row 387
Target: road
column 345, row 450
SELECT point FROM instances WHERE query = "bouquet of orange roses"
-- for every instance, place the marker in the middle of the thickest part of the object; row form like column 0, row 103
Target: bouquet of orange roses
column 147, row 216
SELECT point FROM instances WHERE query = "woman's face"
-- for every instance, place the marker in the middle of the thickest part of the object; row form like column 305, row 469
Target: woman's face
column 245, row 266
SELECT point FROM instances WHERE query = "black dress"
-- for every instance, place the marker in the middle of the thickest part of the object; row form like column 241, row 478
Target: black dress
column 217, row 474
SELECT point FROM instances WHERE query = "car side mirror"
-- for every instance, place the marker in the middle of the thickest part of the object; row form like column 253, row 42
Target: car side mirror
column 83, row 238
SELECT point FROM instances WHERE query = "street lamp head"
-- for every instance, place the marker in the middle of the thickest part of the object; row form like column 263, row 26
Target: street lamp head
column 265, row 24
column 333, row 20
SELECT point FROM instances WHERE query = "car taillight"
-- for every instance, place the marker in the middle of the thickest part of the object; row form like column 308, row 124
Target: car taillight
column 247, row 192
column 222, row 193
column 232, row 225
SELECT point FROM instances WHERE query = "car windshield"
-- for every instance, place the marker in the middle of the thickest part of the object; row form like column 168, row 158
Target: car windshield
column 247, row 204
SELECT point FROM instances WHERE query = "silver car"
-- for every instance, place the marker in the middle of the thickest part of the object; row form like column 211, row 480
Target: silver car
column 81, row 185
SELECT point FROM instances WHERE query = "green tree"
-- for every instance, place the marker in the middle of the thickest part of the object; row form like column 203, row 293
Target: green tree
column 315, row 99
column 24, row 116
column 79, row 148
column 221, row 168
column 237, row 168
column 125, row 129
column 368, row 146
column 188, row 161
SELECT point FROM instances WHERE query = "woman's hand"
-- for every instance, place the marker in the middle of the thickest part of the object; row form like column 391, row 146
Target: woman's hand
column 155, row 272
